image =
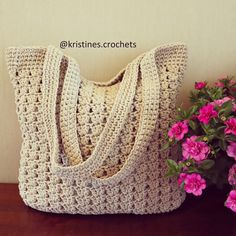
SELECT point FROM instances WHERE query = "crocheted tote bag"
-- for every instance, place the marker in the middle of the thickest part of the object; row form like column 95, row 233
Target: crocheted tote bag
column 91, row 147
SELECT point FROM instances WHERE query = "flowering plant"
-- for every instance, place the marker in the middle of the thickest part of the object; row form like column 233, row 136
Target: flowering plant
column 205, row 135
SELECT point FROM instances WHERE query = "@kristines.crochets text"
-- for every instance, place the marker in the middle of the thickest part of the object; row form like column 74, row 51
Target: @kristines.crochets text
column 85, row 44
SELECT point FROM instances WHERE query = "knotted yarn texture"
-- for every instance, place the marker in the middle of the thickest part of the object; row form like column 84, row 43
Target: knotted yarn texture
column 96, row 147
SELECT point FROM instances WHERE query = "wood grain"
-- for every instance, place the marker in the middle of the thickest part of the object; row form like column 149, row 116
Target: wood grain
column 202, row 216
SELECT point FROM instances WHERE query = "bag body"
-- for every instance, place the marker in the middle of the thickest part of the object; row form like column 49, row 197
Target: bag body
column 91, row 147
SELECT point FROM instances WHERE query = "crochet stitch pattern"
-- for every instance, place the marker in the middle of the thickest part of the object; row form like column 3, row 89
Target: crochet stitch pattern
column 95, row 147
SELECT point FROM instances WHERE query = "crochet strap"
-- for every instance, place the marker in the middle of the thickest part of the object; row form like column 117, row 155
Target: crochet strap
column 65, row 126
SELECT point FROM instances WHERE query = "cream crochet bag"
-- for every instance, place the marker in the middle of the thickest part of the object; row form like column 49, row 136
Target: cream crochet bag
column 95, row 148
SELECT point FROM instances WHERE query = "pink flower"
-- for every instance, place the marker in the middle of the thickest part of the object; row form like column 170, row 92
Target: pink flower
column 232, row 175
column 181, row 178
column 219, row 102
column 195, row 149
column 231, row 201
column 230, row 126
column 194, row 184
column 234, row 107
column 200, row 85
column 178, row 130
column 219, row 84
column 222, row 77
column 206, row 113
column 231, row 150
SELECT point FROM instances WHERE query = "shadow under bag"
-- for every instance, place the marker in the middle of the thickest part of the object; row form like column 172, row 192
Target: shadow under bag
column 95, row 147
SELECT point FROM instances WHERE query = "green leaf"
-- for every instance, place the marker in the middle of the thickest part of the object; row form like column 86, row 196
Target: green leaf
column 230, row 137
column 171, row 173
column 182, row 185
column 226, row 104
column 226, row 108
column 211, row 131
column 220, row 128
column 200, row 138
column 207, row 164
column 192, row 124
column 192, row 169
column 206, row 128
column 210, row 94
column 222, row 144
column 211, row 137
column 173, row 168
column 165, row 146
column 172, row 164
column 193, row 96
column 192, row 110
column 178, row 117
column 216, row 93
column 201, row 102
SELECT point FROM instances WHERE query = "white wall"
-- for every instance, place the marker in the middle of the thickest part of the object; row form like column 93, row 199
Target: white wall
column 207, row 27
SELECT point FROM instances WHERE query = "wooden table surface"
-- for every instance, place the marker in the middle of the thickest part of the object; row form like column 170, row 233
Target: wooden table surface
column 200, row 216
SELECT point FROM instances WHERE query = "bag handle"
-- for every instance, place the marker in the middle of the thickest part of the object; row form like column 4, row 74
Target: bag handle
column 148, row 118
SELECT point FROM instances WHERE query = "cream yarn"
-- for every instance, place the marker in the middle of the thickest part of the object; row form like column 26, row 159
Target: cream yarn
column 94, row 148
